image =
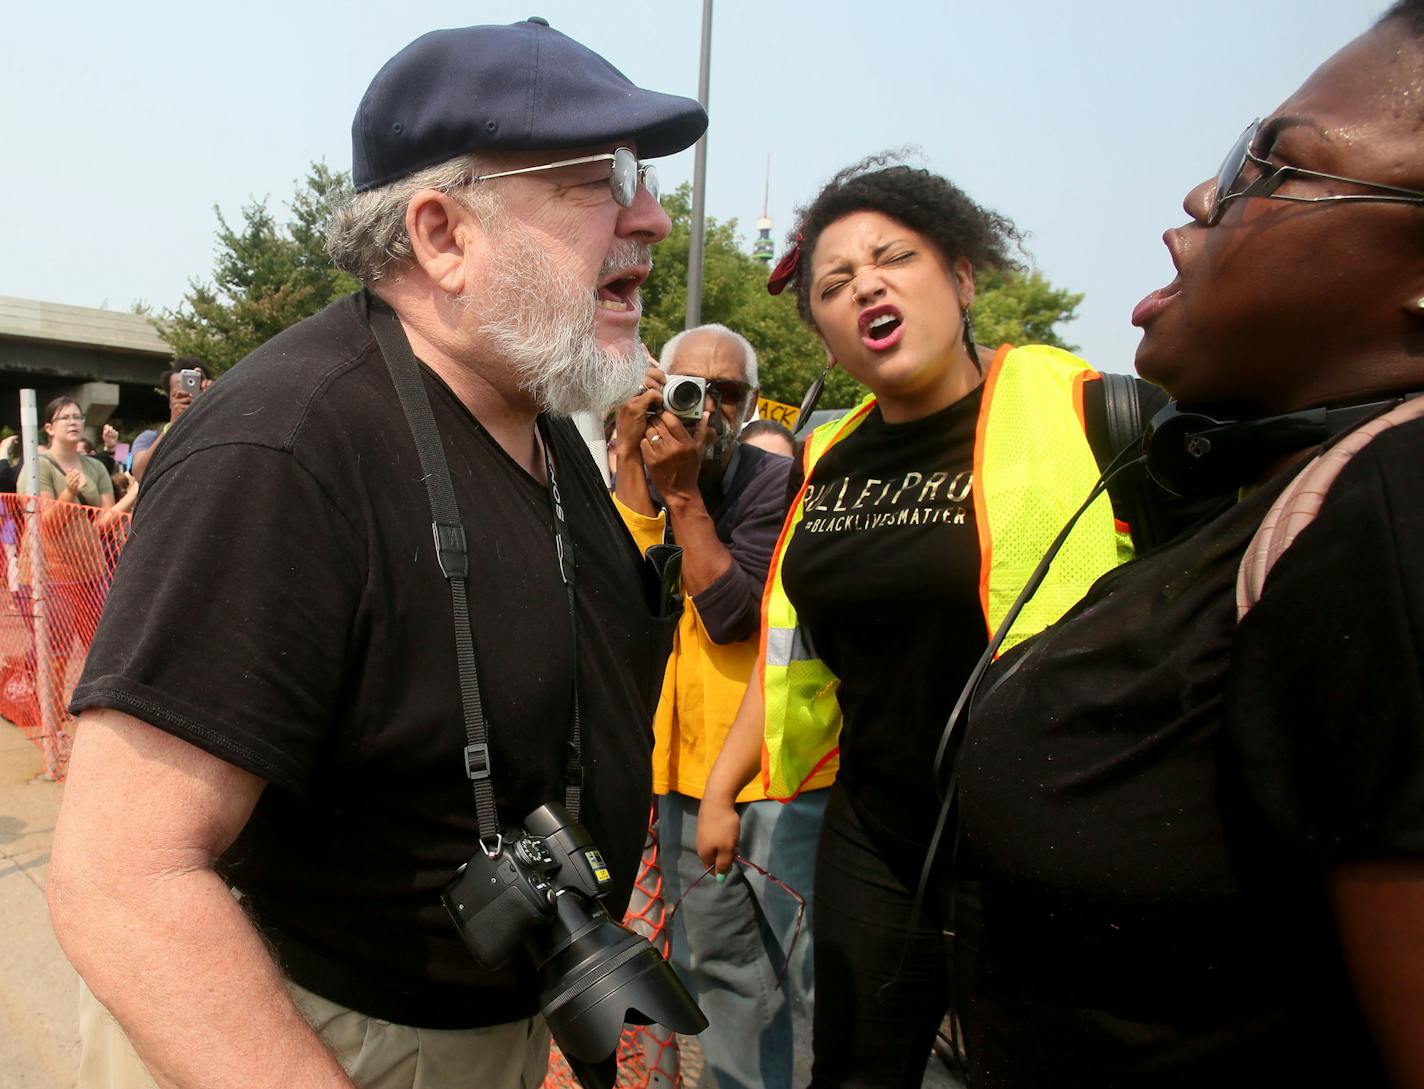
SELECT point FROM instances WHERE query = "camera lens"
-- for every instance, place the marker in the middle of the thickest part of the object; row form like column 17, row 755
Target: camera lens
column 683, row 397
column 595, row 975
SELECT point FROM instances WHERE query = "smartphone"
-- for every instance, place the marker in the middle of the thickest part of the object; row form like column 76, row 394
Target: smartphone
column 190, row 382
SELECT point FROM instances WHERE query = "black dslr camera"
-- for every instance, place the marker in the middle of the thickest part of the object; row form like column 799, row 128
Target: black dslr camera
column 541, row 887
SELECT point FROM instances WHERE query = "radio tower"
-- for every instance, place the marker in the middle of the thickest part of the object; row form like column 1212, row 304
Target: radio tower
column 764, row 249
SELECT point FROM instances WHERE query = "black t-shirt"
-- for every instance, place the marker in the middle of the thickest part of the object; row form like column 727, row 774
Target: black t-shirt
column 1151, row 794
column 883, row 570
column 279, row 605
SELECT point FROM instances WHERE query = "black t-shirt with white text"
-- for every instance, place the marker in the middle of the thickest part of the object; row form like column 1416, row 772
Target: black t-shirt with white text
column 279, row 604
column 883, row 570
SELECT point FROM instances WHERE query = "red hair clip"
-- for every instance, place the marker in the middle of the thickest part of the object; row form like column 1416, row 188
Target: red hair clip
column 786, row 269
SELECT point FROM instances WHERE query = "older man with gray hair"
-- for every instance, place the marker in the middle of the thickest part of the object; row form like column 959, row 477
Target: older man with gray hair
column 271, row 783
column 687, row 477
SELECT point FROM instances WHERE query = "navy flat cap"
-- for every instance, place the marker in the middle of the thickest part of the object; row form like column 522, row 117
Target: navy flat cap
column 523, row 87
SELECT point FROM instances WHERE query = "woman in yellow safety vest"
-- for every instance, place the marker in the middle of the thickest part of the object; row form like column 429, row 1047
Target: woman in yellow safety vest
column 916, row 520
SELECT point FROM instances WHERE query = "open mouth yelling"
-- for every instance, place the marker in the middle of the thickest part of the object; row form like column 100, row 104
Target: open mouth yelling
column 619, row 293
column 1160, row 299
column 881, row 327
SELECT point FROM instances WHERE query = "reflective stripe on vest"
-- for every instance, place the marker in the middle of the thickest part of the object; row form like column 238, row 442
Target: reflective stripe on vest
column 1032, row 468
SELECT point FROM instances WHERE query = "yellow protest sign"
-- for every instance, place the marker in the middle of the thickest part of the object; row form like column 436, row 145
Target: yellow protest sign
column 775, row 410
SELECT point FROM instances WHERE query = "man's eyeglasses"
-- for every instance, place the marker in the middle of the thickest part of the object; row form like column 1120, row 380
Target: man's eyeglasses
column 624, row 174
column 799, row 900
column 1272, row 177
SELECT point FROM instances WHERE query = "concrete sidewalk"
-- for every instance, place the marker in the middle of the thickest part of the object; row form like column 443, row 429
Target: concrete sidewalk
column 39, row 1033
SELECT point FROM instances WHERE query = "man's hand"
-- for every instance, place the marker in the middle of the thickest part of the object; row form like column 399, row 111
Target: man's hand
column 633, row 414
column 674, row 458
column 110, row 437
column 632, row 484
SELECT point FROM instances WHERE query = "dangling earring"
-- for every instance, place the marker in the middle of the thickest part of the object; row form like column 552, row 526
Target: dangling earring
column 969, row 345
column 813, row 395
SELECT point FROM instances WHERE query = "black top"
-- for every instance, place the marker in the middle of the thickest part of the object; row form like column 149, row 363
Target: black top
column 1151, row 793
column 884, row 572
column 279, row 604
column 747, row 505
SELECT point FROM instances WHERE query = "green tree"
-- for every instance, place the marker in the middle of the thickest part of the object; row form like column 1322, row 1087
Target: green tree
column 1021, row 308
column 266, row 276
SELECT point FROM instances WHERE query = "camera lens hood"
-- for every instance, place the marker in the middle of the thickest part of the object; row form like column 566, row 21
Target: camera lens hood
column 603, row 976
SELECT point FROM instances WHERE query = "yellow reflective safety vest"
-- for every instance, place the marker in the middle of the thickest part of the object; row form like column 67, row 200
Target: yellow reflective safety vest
column 1033, row 467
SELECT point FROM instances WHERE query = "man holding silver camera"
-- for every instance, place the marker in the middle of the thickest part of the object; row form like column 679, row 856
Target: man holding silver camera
column 723, row 503
column 272, row 707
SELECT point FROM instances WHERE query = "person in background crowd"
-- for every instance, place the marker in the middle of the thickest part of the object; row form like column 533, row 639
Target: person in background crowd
column 10, row 463
column 109, row 438
column 75, row 572
column 772, row 436
column 10, row 520
column 723, row 503
column 501, row 223
column 179, row 401
column 919, row 518
column 1201, row 838
column 69, row 475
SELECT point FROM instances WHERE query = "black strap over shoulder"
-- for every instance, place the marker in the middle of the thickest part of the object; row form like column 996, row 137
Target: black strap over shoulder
column 452, row 552
column 1116, row 409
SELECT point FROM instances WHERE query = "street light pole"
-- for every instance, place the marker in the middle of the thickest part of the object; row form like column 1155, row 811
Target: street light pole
column 699, row 183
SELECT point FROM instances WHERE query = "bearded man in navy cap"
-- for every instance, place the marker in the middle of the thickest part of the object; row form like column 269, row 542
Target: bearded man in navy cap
column 271, row 783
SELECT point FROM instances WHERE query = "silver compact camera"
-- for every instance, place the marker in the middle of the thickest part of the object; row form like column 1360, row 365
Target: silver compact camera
column 684, row 395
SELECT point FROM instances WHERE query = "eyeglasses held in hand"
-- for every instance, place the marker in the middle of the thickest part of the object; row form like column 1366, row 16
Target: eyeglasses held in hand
column 782, row 885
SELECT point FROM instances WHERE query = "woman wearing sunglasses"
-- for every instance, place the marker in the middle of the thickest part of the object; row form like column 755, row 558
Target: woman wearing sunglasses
column 914, row 522
column 1196, row 805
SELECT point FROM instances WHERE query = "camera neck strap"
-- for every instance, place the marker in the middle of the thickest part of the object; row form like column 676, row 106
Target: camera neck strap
column 452, row 552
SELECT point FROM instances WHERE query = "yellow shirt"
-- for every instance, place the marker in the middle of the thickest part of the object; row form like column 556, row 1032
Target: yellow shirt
column 702, row 689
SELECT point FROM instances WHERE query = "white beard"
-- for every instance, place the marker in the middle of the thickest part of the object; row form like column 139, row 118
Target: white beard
column 540, row 320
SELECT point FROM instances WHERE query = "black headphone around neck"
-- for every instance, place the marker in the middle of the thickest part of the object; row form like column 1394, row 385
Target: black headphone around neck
column 1195, row 455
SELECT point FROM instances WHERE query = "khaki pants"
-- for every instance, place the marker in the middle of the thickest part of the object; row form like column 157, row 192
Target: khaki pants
column 375, row 1054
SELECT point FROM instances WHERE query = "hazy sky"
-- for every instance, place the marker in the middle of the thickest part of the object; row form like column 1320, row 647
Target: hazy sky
column 1086, row 123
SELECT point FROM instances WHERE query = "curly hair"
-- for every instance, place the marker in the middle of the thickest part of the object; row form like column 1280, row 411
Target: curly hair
column 1408, row 12
column 922, row 201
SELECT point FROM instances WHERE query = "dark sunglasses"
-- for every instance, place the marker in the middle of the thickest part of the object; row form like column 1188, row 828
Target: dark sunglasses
column 1273, row 177
column 771, row 877
column 728, row 391
column 624, row 174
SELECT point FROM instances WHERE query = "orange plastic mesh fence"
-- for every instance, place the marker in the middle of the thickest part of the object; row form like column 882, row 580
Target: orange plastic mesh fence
column 647, row 1055
column 58, row 563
